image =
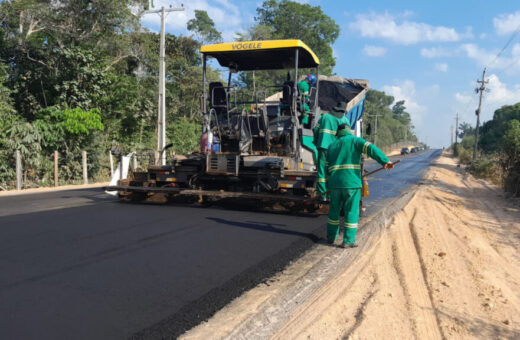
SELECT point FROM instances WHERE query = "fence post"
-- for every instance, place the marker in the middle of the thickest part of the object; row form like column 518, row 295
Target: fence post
column 18, row 171
column 85, row 174
column 134, row 161
column 121, row 166
column 111, row 163
column 56, row 183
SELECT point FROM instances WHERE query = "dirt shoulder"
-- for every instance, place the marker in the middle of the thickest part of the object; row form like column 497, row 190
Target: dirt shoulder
column 446, row 267
column 51, row 189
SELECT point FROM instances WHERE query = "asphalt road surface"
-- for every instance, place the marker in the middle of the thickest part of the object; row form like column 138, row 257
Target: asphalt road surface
column 79, row 265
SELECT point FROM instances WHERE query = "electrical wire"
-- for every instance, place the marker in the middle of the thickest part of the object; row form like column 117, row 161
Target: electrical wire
column 513, row 36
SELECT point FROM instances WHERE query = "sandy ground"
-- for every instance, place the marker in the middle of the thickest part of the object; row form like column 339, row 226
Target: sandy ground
column 49, row 189
column 446, row 267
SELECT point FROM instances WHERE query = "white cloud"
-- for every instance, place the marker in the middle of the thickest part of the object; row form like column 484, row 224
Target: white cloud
column 442, row 67
column 462, row 98
column 499, row 94
column 404, row 32
column 335, row 54
column 405, row 90
column 484, row 57
column 225, row 14
column 482, row 36
column 374, row 51
column 507, row 23
column 436, row 52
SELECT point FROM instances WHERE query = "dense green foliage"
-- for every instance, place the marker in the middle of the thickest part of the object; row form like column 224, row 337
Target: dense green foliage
column 393, row 123
column 204, row 27
column 499, row 145
column 511, row 158
column 290, row 20
column 492, row 131
column 82, row 76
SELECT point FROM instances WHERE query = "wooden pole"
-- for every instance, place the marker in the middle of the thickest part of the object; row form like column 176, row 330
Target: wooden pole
column 134, row 161
column 18, row 170
column 85, row 173
column 56, row 183
column 121, row 166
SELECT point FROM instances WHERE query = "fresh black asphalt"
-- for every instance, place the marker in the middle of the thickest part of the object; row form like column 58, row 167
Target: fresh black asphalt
column 79, row 265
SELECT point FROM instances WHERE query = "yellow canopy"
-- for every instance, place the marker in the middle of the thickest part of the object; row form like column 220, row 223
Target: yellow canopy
column 262, row 54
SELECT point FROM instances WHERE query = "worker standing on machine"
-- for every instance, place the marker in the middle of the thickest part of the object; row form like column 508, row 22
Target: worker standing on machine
column 304, row 88
column 324, row 136
column 344, row 168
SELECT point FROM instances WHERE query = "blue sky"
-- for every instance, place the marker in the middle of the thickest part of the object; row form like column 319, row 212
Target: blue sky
column 429, row 53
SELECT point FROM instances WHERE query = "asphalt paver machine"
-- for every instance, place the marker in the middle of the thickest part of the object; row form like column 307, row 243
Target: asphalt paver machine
column 254, row 145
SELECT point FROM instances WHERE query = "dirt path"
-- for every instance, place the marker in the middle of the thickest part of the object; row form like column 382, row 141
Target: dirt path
column 448, row 267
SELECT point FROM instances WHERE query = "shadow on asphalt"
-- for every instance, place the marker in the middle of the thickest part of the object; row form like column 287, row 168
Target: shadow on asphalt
column 268, row 227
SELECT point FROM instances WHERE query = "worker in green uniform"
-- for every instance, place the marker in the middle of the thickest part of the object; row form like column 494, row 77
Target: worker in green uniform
column 344, row 183
column 304, row 88
column 324, row 136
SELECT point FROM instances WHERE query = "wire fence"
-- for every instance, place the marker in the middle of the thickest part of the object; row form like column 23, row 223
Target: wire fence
column 22, row 171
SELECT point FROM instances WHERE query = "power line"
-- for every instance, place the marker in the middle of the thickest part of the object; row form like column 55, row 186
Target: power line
column 513, row 36
column 515, row 61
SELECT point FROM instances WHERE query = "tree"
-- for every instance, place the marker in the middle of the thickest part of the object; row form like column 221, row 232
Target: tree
column 293, row 20
column 465, row 129
column 204, row 27
column 391, row 127
column 62, row 62
column 511, row 161
column 7, row 117
column 256, row 32
column 398, row 107
column 493, row 130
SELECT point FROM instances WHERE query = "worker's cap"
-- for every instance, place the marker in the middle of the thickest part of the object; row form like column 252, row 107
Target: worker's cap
column 341, row 107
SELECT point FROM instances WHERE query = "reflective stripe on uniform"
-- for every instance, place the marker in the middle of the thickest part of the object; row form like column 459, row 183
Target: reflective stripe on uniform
column 333, row 222
column 322, row 180
column 328, row 131
column 344, row 167
column 365, row 147
column 351, row 225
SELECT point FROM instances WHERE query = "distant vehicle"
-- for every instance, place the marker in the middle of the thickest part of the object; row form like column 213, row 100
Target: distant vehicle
column 414, row 150
column 405, row 151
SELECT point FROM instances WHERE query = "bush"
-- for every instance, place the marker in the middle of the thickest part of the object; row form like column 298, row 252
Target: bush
column 464, row 149
column 185, row 135
column 488, row 168
column 511, row 160
column 465, row 156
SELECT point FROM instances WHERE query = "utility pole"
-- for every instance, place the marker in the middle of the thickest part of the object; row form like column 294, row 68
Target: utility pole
column 375, row 130
column 451, row 135
column 479, row 90
column 161, row 117
column 456, row 127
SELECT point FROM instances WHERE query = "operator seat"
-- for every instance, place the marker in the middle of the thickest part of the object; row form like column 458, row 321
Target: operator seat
column 217, row 94
column 287, row 94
